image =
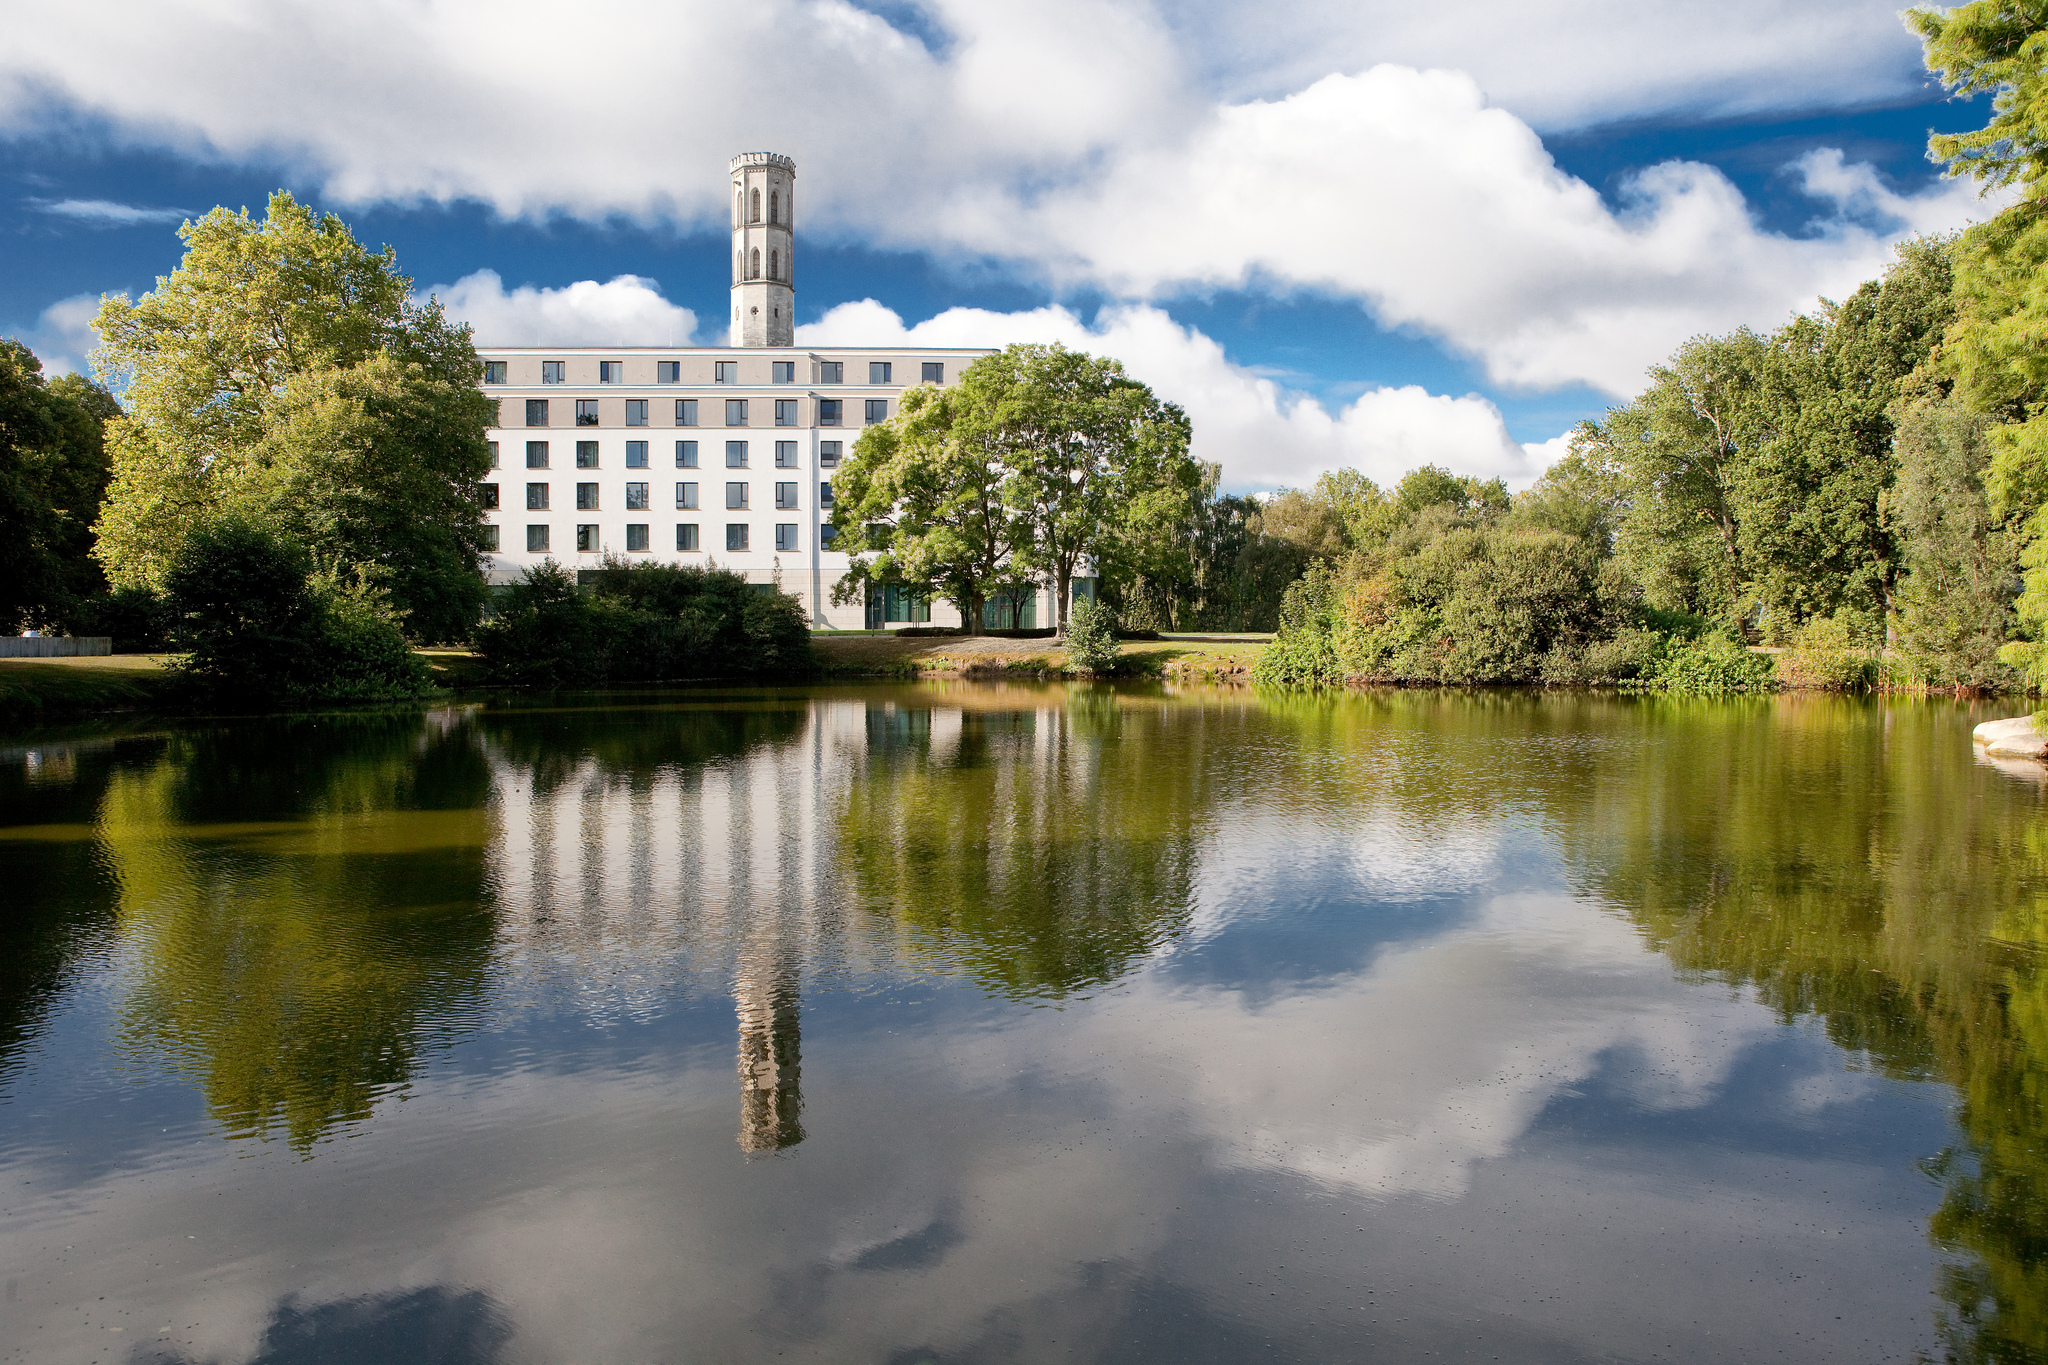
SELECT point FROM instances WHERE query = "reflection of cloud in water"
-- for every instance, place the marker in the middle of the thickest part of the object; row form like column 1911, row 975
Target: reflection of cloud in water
column 1440, row 1054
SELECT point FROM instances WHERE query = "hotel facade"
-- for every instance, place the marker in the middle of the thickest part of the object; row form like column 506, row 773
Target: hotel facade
column 706, row 455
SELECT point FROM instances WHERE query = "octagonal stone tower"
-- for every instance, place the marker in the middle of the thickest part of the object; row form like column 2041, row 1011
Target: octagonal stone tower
column 763, row 206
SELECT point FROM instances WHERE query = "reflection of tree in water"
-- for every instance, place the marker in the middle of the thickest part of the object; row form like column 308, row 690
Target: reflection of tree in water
column 1803, row 847
column 445, row 1325
column 49, row 798
column 1043, row 842
column 304, row 898
column 634, row 743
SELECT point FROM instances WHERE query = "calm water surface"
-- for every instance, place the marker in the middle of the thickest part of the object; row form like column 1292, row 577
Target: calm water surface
column 990, row 1023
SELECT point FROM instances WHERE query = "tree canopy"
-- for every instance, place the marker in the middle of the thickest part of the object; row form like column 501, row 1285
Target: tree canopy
column 1038, row 460
column 284, row 374
column 53, row 471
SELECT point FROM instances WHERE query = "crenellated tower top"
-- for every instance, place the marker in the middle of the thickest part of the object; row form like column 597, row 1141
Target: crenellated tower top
column 763, row 271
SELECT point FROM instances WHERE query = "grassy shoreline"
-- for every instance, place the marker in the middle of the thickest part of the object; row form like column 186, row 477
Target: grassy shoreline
column 34, row 692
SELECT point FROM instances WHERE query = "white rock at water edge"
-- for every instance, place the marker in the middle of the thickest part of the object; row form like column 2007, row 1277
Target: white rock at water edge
column 2015, row 738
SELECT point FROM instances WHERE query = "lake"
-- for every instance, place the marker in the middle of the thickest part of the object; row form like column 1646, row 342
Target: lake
column 977, row 1022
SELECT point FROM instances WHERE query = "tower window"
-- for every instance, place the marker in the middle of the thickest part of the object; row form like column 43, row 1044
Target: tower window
column 774, row 265
column 774, row 206
column 754, row 264
column 754, row 205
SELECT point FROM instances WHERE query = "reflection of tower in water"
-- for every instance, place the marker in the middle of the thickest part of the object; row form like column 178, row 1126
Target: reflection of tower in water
column 767, row 991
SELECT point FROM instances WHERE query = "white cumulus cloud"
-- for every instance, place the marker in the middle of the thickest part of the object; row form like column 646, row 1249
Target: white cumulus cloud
column 62, row 336
column 1264, row 434
column 628, row 310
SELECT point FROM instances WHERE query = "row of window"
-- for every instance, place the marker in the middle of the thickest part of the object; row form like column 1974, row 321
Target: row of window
column 736, row 454
column 831, row 412
column 590, row 542
column 736, row 496
column 722, row 372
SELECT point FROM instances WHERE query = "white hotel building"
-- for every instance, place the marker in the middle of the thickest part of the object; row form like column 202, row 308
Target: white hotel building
column 706, row 454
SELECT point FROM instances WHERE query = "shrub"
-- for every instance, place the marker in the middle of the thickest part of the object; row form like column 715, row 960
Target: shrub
column 1304, row 652
column 254, row 619
column 1091, row 638
column 1711, row 664
column 1823, row 655
column 642, row 623
column 136, row 618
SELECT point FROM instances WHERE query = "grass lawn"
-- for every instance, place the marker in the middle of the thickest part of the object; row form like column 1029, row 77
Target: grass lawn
column 35, row 689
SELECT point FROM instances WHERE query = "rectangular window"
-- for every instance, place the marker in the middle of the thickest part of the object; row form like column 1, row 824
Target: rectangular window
column 783, row 371
column 686, row 454
column 735, row 497
column 828, row 453
column 735, row 454
column 536, row 540
column 686, row 537
column 878, row 410
column 636, row 454
column 826, row 535
column 668, row 372
column 831, row 372
column 636, row 537
column 785, row 412
column 489, row 539
column 611, row 372
column 586, row 454
column 825, row 494
column 494, row 454
column 828, row 411
column 587, row 542
column 686, row 496
column 551, row 372
column 586, row 497
column 536, row 497
column 536, row 454
column 879, row 371
column 536, row 412
column 586, row 412
column 636, row 412
column 904, row 604
column 494, row 372
column 785, row 537
column 736, row 536
column 935, row 372
column 735, row 412
column 726, row 371
column 636, row 497
column 686, row 412
column 785, row 454
column 497, row 412
column 785, row 497
column 490, row 495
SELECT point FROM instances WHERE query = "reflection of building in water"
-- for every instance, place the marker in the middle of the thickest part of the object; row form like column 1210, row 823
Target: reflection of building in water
column 730, row 850
column 771, row 1047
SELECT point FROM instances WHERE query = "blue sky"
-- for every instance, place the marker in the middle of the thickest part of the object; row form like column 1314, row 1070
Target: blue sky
column 1344, row 236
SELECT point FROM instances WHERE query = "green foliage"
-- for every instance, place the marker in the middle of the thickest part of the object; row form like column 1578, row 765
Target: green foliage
column 1956, row 603
column 258, row 621
column 1999, row 47
column 1091, row 637
column 53, row 471
column 283, row 376
column 1710, row 665
column 1824, row 655
column 1304, row 651
column 1037, row 459
column 641, row 622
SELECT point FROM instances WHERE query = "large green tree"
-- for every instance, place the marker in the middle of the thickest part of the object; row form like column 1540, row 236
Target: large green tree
column 930, row 485
column 284, row 374
column 1993, row 352
column 1039, row 459
column 53, row 472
